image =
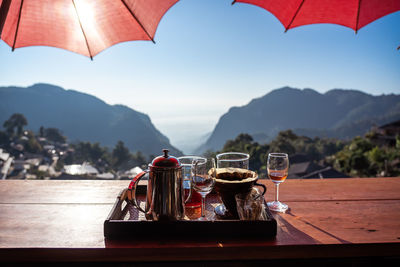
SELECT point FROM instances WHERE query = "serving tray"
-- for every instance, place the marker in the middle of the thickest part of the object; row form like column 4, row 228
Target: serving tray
column 126, row 221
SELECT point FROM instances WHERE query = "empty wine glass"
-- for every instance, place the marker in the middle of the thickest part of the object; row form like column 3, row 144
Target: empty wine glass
column 277, row 166
column 203, row 179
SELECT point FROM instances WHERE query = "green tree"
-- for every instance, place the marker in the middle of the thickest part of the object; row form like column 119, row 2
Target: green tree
column 120, row 154
column 4, row 139
column 17, row 121
column 286, row 142
column 32, row 145
column 41, row 131
column 139, row 159
column 54, row 134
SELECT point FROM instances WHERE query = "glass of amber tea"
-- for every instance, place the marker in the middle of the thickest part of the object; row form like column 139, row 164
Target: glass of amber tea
column 277, row 166
column 195, row 197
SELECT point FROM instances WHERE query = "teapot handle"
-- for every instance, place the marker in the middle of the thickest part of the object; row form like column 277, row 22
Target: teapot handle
column 132, row 189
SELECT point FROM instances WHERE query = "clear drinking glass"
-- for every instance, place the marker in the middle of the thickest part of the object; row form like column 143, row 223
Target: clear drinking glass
column 186, row 163
column 251, row 206
column 277, row 166
column 233, row 160
column 203, row 179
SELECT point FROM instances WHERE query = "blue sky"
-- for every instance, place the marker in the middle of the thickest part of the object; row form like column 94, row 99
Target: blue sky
column 210, row 56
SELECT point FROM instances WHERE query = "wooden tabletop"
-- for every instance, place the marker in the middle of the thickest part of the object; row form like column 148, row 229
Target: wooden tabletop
column 63, row 221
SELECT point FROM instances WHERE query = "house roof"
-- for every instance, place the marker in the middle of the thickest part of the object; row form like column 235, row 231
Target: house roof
column 392, row 124
column 327, row 172
column 303, row 168
column 80, row 169
column 3, row 155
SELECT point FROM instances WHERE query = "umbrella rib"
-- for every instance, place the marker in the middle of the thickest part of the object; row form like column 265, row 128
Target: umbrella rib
column 138, row 21
column 295, row 14
column 358, row 15
column 16, row 30
column 83, row 31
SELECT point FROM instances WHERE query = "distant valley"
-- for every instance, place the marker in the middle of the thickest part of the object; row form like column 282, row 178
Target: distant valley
column 82, row 117
column 338, row 113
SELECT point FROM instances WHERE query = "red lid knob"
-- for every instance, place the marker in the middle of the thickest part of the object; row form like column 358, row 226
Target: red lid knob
column 166, row 161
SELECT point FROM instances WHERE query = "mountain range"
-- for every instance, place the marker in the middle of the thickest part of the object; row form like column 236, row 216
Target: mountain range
column 82, row 117
column 337, row 113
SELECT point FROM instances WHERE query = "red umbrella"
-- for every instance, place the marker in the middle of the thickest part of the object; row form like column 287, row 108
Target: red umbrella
column 350, row 13
column 83, row 26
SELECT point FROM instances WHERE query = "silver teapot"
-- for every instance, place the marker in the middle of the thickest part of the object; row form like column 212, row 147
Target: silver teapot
column 165, row 192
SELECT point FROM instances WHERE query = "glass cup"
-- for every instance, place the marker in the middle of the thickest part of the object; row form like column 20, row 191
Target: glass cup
column 233, row 160
column 277, row 166
column 250, row 206
column 186, row 163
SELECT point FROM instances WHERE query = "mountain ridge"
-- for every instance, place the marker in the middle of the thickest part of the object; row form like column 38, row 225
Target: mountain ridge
column 83, row 117
column 304, row 109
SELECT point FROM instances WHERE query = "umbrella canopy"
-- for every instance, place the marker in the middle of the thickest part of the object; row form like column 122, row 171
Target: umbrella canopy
column 350, row 13
column 83, row 26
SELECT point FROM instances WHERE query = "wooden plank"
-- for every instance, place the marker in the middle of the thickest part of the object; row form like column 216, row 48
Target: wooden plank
column 336, row 189
column 52, row 225
column 63, row 220
column 50, row 191
column 105, row 192
column 343, row 222
column 231, row 255
column 81, row 225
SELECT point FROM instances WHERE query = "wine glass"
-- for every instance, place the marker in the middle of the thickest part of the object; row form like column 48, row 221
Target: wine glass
column 203, row 179
column 277, row 166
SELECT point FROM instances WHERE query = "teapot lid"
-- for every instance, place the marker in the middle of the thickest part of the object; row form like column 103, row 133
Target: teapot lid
column 166, row 161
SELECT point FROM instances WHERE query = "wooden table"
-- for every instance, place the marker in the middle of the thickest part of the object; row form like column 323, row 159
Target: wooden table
column 329, row 219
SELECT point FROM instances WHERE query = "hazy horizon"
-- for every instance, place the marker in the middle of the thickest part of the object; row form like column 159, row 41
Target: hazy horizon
column 210, row 56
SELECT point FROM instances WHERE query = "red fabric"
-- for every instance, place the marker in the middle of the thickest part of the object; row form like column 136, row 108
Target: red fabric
column 342, row 12
column 104, row 22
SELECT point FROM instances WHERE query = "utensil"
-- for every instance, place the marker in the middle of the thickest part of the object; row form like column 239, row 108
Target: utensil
column 165, row 194
column 236, row 164
column 228, row 189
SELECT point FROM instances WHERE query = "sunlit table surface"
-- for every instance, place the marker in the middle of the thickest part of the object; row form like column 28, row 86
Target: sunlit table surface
column 328, row 218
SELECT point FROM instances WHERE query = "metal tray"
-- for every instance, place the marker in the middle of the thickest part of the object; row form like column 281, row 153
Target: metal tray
column 126, row 221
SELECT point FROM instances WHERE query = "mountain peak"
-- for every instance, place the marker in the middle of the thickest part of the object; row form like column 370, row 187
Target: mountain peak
column 336, row 91
column 292, row 108
column 83, row 117
column 46, row 87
